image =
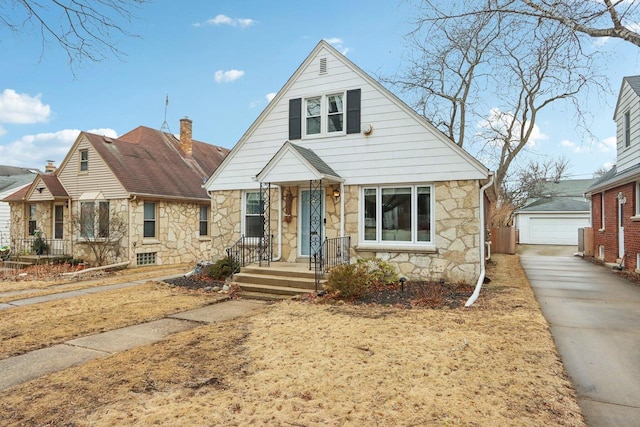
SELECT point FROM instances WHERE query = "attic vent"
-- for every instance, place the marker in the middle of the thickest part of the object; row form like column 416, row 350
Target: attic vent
column 107, row 139
column 323, row 65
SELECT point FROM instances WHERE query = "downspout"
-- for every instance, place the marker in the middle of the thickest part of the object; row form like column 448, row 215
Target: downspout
column 129, row 233
column 276, row 259
column 476, row 292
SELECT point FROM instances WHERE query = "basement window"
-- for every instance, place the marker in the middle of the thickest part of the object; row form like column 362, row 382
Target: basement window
column 147, row 258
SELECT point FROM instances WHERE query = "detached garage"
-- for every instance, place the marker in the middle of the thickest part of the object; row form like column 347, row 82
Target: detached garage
column 555, row 218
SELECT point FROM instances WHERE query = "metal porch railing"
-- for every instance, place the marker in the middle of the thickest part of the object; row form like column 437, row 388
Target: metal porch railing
column 247, row 250
column 332, row 252
column 50, row 247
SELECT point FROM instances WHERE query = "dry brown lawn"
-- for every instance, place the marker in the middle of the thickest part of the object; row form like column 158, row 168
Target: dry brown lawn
column 305, row 364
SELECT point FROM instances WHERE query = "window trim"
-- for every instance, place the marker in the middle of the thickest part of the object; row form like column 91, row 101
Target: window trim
column 98, row 225
column 602, row 217
column 32, row 221
column 203, row 222
column 244, row 214
column 83, row 163
column 324, row 115
column 414, row 242
column 145, row 220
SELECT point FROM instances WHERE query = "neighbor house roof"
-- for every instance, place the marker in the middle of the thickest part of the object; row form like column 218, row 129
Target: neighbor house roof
column 15, row 177
column 557, row 204
column 150, row 162
column 613, row 178
column 569, row 187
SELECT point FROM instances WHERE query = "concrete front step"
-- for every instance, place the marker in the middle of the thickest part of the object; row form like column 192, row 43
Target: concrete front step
column 280, row 280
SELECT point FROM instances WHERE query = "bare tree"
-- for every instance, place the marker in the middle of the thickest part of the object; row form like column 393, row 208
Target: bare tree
column 101, row 231
column 85, row 30
column 606, row 18
column 484, row 78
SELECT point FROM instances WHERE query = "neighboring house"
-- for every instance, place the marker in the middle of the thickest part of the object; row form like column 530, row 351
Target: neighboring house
column 555, row 218
column 12, row 179
column 146, row 179
column 335, row 154
column 615, row 198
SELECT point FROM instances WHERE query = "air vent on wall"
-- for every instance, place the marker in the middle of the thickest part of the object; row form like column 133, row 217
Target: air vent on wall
column 323, row 65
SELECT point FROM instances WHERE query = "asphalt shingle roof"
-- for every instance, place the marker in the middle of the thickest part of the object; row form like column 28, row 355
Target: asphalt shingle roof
column 150, row 162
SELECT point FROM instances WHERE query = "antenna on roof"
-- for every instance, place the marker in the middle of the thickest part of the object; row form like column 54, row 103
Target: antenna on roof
column 165, row 125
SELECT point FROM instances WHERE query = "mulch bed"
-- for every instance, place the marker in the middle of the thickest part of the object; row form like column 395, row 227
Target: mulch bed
column 412, row 295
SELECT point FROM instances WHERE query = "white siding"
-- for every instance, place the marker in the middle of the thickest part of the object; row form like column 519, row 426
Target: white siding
column 628, row 101
column 401, row 149
column 5, row 216
column 98, row 177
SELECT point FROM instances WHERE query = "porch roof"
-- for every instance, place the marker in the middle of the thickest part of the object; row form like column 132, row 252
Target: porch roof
column 294, row 164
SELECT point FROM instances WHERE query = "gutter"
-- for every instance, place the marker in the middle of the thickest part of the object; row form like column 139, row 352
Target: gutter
column 476, row 292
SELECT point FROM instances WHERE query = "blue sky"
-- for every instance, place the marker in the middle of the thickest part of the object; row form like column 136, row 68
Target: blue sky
column 218, row 62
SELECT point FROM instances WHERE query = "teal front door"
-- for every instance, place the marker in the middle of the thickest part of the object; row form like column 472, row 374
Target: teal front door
column 311, row 221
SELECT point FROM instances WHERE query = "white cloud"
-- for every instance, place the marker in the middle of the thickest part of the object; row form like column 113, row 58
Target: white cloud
column 228, row 76
column 21, row 108
column 338, row 43
column 495, row 128
column 576, row 148
column 34, row 150
column 607, row 145
column 270, row 96
column 226, row 20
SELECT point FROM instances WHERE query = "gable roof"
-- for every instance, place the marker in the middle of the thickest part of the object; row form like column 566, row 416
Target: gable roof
column 298, row 163
column 557, row 204
column 474, row 164
column 634, row 84
column 150, row 162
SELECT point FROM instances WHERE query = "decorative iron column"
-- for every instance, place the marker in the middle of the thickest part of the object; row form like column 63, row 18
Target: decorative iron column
column 316, row 219
column 264, row 245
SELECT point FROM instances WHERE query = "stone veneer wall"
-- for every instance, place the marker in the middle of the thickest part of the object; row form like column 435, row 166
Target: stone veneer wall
column 118, row 211
column 457, row 221
column 456, row 257
column 177, row 238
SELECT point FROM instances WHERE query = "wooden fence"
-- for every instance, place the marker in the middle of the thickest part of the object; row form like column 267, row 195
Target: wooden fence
column 503, row 240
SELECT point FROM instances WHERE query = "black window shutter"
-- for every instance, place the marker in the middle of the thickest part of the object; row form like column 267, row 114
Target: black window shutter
column 295, row 118
column 353, row 111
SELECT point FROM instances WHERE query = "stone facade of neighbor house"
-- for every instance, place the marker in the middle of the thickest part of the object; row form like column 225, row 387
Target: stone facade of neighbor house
column 165, row 212
column 337, row 156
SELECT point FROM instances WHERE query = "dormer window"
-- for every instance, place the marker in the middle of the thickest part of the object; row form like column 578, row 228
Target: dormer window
column 84, row 160
column 324, row 114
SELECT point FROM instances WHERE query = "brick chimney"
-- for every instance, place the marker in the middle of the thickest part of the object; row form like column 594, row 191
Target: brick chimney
column 186, row 143
column 50, row 168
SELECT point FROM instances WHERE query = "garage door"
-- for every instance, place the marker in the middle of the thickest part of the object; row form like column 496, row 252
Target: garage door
column 555, row 231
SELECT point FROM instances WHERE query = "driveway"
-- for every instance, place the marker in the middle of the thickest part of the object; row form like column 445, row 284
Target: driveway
column 595, row 321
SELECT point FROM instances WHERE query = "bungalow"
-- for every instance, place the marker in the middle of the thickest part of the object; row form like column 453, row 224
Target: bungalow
column 137, row 199
column 615, row 197
column 336, row 157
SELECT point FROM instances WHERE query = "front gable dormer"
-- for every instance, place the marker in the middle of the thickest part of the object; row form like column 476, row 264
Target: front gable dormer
column 627, row 118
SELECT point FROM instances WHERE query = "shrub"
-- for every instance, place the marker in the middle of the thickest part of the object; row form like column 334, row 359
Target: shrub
column 222, row 268
column 351, row 281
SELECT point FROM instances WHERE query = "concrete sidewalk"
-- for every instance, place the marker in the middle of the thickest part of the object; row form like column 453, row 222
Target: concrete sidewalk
column 20, row 369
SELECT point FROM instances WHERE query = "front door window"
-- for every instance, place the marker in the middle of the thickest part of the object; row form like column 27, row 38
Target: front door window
column 311, row 221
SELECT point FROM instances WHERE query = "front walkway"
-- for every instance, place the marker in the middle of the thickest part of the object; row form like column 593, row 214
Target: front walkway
column 595, row 321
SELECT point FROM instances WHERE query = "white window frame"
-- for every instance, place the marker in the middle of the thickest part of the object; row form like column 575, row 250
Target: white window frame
column 414, row 216
column 203, row 221
column 83, row 163
column 637, row 212
column 627, row 129
column 324, row 115
column 244, row 215
column 96, row 228
column 154, row 219
column 602, row 211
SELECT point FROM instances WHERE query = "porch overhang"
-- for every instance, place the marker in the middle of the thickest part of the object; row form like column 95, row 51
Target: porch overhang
column 293, row 165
